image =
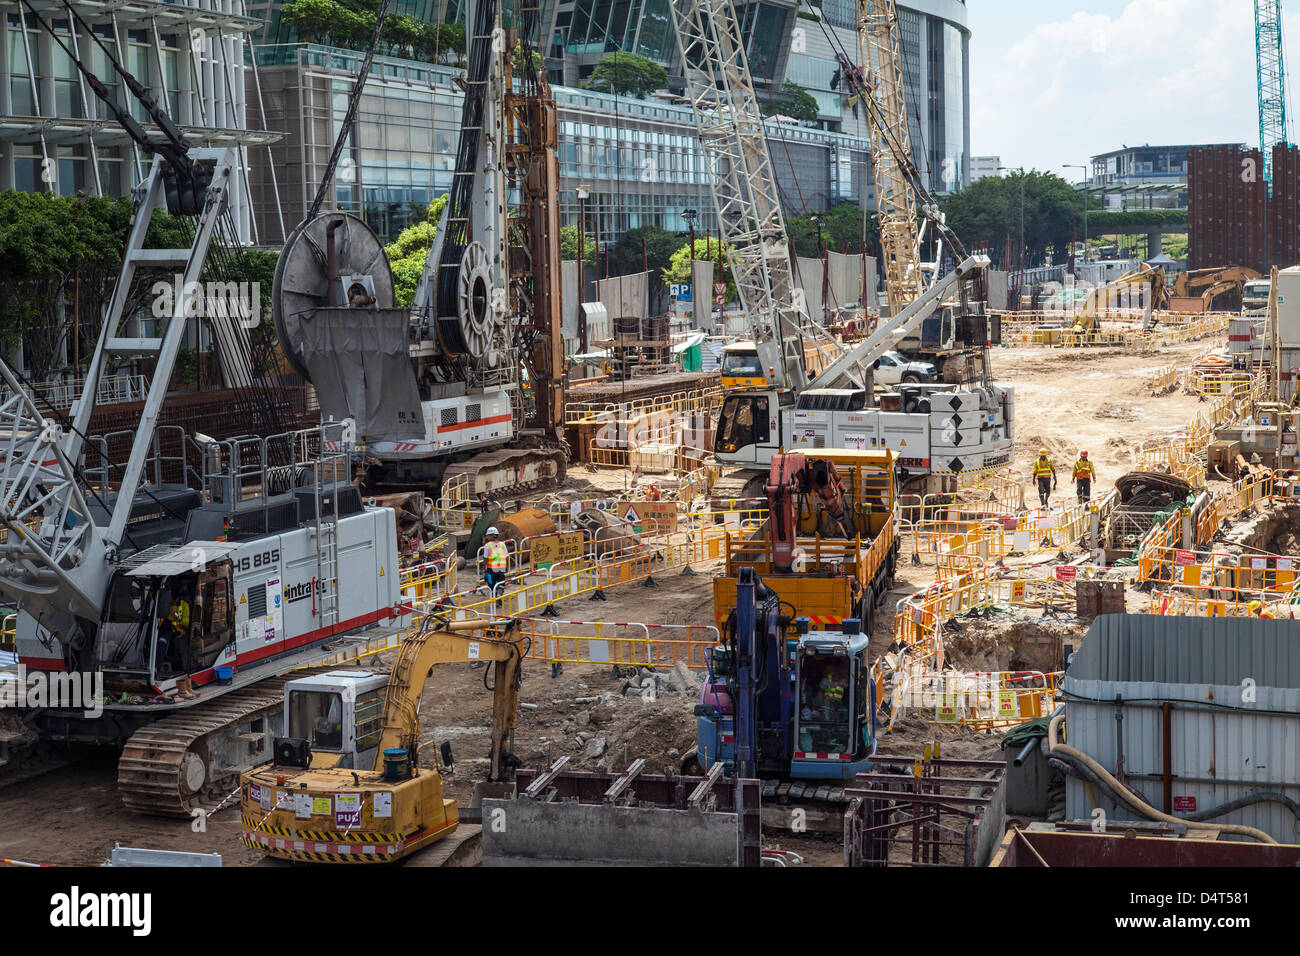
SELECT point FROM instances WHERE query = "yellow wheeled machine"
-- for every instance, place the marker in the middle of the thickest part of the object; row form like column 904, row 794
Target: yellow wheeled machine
column 344, row 786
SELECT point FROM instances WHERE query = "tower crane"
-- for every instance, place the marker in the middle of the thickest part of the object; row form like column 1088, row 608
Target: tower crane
column 1271, row 75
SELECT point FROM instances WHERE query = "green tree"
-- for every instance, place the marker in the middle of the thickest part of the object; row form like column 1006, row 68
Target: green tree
column 988, row 212
column 402, row 34
column 313, row 19
column 625, row 256
column 517, row 59
column 627, row 74
column 841, row 231
column 408, row 253
column 62, row 257
column 679, row 266
column 569, row 245
column 794, row 101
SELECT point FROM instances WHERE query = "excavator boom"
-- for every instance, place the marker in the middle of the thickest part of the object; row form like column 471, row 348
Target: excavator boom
column 454, row 642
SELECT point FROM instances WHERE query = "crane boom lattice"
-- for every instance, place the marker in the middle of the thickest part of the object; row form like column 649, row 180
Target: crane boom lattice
column 1272, row 80
column 878, row 42
column 730, row 129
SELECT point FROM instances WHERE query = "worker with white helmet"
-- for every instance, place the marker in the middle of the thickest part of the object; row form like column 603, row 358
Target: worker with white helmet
column 495, row 559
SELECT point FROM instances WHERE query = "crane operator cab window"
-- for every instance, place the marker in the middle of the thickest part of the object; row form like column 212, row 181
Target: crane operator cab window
column 742, row 365
column 145, row 630
column 175, row 622
column 825, row 702
column 744, row 421
column 317, row 716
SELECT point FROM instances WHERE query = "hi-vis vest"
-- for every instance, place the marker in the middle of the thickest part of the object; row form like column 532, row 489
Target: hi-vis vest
column 496, row 555
column 1083, row 469
column 1043, row 468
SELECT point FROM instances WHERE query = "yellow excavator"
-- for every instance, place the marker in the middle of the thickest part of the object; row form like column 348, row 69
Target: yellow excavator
column 344, row 786
column 1133, row 288
column 1210, row 284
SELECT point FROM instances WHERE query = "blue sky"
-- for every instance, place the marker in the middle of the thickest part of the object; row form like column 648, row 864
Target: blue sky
column 1056, row 81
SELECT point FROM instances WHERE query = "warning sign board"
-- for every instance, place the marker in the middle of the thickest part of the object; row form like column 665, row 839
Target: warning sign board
column 1067, row 572
column 657, row 517
column 556, row 548
column 1007, row 704
column 946, row 712
column 719, row 287
column 1184, row 557
column 1184, row 804
column 1017, row 590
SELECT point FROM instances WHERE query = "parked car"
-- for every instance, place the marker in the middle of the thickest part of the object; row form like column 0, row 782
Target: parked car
column 894, row 369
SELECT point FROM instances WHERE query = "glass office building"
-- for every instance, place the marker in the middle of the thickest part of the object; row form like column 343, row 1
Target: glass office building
column 936, row 66
column 56, row 135
column 640, row 157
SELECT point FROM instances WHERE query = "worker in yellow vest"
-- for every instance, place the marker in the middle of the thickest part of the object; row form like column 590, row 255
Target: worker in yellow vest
column 1045, row 473
column 1257, row 610
column 495, row 559
column 1084, row 473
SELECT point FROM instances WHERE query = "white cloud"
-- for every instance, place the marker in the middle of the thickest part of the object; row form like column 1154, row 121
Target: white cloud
column 1158, row 71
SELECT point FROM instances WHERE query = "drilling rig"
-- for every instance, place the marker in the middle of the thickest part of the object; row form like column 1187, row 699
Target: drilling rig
column 438, row 391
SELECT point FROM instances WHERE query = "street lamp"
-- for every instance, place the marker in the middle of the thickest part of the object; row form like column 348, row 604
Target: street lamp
column 817, row 219
column 691, row 215
column 583, row 192
column 1021, row 171
column 1085, row 204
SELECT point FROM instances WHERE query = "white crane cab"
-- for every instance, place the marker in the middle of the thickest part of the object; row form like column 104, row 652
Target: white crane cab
column 339, row 714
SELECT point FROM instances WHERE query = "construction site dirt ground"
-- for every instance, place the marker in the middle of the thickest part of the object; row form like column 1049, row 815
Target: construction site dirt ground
column 1065, row 400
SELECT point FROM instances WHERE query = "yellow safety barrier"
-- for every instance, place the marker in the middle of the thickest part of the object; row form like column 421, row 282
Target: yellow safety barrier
column 701, row 400
column 618, row 642
column 1201, row 603
column 965, row 536
column 1163, row 379
column 977, row 701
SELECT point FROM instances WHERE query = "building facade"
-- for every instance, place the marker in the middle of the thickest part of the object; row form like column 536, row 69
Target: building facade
column 55, row 134
column 982, row 167
column 789, row 41
column 639, row 158
column 1142, row 177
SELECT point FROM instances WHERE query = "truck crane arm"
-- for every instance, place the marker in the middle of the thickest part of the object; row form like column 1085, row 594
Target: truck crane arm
column 880, row 341
column 795, row 473
column 448, row 643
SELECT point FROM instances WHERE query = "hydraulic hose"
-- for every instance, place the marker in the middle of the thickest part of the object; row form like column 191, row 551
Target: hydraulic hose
column 1116, row 789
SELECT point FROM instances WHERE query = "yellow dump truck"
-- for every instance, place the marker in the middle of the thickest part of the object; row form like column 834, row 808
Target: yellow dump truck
column 832, row 577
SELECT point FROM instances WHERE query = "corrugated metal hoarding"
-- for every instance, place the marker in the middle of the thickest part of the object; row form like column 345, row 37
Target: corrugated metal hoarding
column 1233, row 723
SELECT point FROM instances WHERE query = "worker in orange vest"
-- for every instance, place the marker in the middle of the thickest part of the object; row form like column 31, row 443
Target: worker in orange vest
column 1257, row 610
column 1084, row 473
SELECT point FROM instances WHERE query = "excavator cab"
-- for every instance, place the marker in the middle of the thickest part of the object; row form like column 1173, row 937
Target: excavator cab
column 340, row 716
column 160, row 623
column 834, row 721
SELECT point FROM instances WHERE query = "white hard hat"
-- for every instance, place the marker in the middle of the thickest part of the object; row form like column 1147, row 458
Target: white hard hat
column 493, row 530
